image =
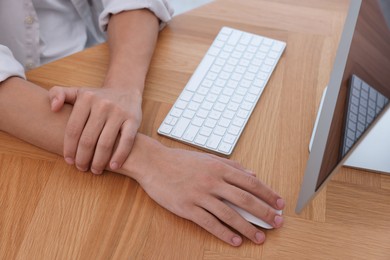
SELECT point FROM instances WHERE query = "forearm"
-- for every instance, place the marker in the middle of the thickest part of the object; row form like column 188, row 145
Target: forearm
column 132, row 37
column 190, row 184
column 25, row 113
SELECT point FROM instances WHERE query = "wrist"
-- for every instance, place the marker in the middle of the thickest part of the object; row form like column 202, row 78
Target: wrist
column 143, row 159
column 126, row 82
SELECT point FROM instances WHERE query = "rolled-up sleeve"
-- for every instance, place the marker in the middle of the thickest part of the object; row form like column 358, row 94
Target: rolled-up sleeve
column 161, row 8
column 9, row 66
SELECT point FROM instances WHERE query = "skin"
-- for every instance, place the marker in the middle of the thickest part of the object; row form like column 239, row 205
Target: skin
column 107, row 118
column 189, row 184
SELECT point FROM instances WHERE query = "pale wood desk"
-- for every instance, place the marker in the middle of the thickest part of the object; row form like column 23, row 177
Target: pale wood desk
column 51, row 211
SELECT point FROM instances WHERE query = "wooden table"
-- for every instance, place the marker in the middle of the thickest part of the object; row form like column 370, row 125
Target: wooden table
column 49, row 210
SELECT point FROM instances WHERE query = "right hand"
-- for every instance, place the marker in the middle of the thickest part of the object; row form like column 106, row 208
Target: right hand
column 193, row 185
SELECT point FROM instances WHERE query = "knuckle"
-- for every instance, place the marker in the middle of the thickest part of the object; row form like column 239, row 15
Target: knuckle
column 105, row 105
column 86, row 94
column 55, row 89
column 118, row 110
column 216, row 166
column 208, row 223
column 226, row 214
column 245, row 198
column 72, row 131
column 252, row 181
column 87, row 142
column 128, row 137
column 104, row 145
column 208, row 181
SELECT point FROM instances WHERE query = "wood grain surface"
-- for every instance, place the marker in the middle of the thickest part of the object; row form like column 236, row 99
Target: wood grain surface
column 49, row 210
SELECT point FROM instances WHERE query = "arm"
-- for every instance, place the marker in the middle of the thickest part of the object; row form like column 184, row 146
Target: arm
column 104, row 116
column 189, row 184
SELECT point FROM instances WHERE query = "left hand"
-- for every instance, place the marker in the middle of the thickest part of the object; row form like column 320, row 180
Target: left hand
column 102, row 126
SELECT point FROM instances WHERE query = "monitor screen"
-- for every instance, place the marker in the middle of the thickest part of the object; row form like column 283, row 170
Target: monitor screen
column 357, row 95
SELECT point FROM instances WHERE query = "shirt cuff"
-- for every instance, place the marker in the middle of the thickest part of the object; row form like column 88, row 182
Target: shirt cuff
column 161, row 9
column 9, row 66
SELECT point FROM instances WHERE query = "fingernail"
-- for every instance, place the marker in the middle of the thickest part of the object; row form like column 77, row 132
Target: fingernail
column 280, row 203
column 97, row 172
column 69, row 160
column 260, row 237
column 81, row 169
column 114, row 165
column 236, row 241
column 278, row 221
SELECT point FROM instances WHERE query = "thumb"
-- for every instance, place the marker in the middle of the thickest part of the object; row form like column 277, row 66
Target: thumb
column 60, row 95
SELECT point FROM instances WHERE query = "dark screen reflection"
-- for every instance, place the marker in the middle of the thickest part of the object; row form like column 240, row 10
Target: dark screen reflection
column 369, row 63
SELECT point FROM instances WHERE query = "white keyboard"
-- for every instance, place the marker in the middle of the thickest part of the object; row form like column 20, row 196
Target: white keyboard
column 215, row 105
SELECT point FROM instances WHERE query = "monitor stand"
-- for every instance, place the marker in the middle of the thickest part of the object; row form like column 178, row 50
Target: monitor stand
column 373, row 152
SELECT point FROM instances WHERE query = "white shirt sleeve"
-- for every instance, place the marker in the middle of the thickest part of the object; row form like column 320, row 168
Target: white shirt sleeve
column 161, row 8
column 9, row 66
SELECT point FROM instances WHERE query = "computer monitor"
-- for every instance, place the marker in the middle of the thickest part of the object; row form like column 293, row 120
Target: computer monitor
column 353, row 123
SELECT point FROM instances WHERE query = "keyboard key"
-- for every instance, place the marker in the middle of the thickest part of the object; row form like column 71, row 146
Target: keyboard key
column 224, row 147
column 180, row 127
column 189, row 114
column 205, row 64
column 166, row 129
column 228, row 114
column 202, row 113
column 226, row 30
column 234, row 130
column 224, row 122
column 186, row 95
column 176, row 112
column 238, row 122
column 210, row 122
column 213, row 141
column 197, row 121
column 256, row 40
column 218, row 130
column 214, row 51
column 193, row 105
column 206, row 131
column 234, row 37
column 245, row 39
column 191, row 132
column 278, row 46
column 181, row 104
column 228, row 138
column 201, row 140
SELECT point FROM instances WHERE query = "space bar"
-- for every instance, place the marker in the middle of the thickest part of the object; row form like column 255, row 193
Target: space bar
column 200, row 72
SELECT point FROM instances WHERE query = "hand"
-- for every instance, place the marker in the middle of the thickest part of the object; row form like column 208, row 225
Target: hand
column 193, row 185
column 101, row 128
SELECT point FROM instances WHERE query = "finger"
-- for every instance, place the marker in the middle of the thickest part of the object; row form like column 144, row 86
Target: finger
column 211, row 224
column 74, row 128
column 231, row 218
column 256, row 187
column 105, row 146
column 88, row 140
column 232, row 163
column 126, row 141
column 60, row 95
column 252, row 204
